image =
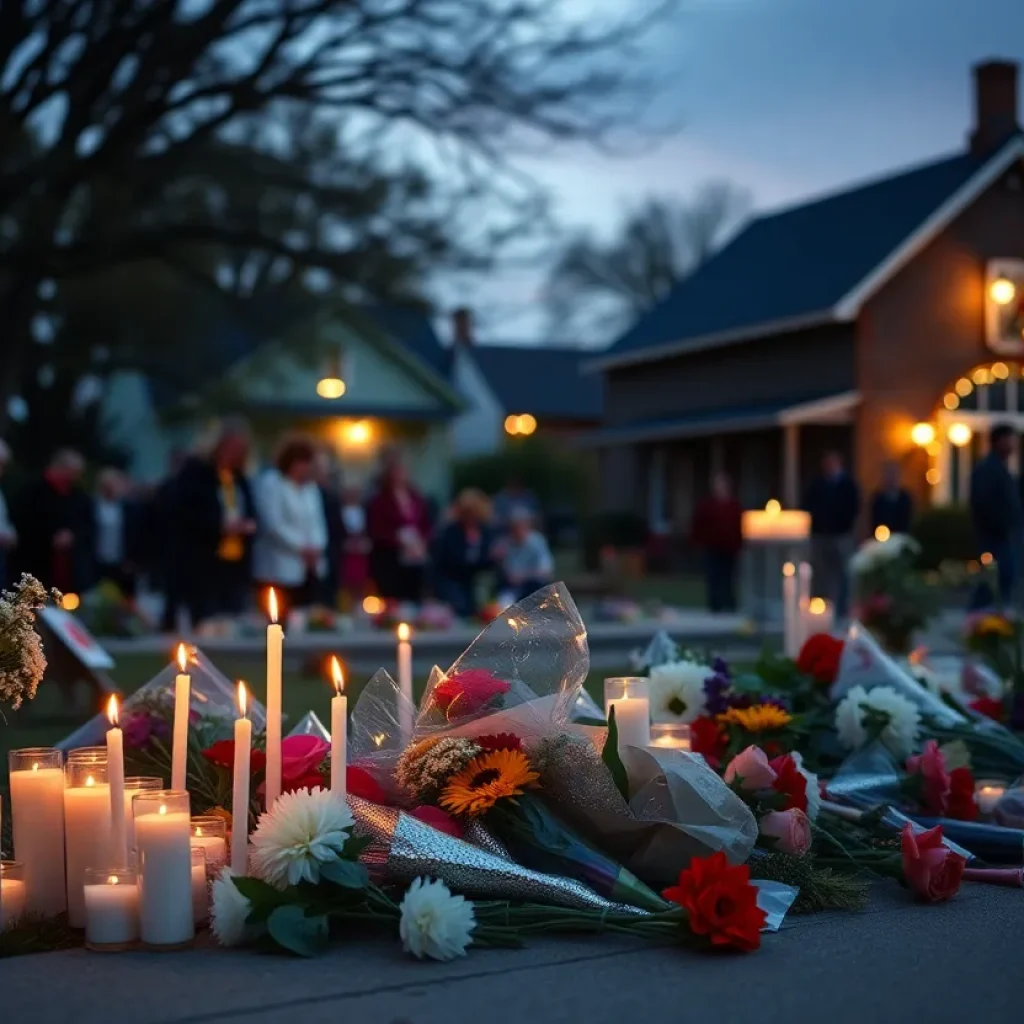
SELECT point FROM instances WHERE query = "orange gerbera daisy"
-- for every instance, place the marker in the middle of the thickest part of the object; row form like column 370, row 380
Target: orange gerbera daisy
column 759, row 718
column 488, row 778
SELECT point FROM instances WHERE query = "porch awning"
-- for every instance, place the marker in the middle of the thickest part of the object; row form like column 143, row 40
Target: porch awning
column 832, row 408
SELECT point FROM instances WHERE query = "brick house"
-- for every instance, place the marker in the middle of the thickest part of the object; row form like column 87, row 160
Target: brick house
column 884, row 321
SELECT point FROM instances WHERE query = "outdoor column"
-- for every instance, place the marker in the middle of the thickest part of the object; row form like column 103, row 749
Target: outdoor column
column 791, row 465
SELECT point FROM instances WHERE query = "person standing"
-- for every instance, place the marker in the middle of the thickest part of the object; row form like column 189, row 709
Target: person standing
column 8, row 535
column 327, row 477
column 997, row 516
column 833, row 501
column 117, row 532
column 291, row 550
column 891, row 505
column 217, row 523
column 462, row 552
column 718, row 532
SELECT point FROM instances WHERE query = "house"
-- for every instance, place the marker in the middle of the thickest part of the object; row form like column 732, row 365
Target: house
column 514, row 391
column 884, row 321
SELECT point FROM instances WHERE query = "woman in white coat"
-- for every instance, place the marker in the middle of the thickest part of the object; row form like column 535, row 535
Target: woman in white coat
column 291, row 549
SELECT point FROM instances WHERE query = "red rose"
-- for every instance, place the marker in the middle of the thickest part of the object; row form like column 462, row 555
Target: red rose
column 436, row 818
column 961, row 804
column 708, row 739
column 301, row 757
column 222, row 754
column 988, row 706
column 819, row 658
column 930, row 765
column 790, row 782
column 931, row 869
column 362, row 784
column 466, row 693
column 499, row 741
column 720, row 902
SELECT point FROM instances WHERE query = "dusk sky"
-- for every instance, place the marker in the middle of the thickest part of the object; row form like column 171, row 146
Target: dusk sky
column 788, row 98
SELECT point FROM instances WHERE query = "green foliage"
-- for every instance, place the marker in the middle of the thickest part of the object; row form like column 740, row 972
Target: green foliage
column 610, row 756
column 290, row 927
column 820, row 888
column 38, row 935
column 945, row 534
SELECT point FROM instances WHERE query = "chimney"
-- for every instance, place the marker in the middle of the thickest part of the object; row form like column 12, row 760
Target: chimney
column 462, row 327
column 995, row 105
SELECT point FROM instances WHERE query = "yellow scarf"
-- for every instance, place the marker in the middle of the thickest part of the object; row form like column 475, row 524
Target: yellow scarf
column 231, row 548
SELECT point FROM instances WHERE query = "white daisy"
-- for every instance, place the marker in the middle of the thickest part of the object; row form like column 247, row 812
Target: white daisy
column 303, row 830
column 677, row 691
column 813, row 792
column 434, row 923
column 903, row 719
column 229, row 922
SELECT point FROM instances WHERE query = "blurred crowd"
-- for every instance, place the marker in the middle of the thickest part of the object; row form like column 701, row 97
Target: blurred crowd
column 212, row 536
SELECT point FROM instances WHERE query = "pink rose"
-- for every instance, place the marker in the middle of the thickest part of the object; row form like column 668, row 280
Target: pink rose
column 790, row 829
column 931, row 869
column 301, row 757
column 752, row 769
column 930, row 764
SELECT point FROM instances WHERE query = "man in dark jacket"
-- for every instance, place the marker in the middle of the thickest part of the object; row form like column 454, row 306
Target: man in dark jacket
column 891, row 505
column 833, row 501
column 718, row 532
column 996, row 514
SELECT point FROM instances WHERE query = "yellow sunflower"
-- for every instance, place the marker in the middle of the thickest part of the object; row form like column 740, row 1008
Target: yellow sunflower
column 759, row 718
column 488, row 778
column 994, row 624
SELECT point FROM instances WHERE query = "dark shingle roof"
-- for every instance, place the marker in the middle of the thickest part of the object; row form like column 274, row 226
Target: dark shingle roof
column 800, row 261
column 540, row 380
column 413, row 329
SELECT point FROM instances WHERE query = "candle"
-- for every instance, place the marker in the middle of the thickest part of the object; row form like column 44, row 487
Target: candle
column 819, row 617
column 37, row 819
column 775, row 524
column 111, row 908
column 200, row 893
column 670, row 735
column 209, row 833
column 628, row 696
column 339, row 731
column 13, row 893
column 132, row 786
column 987, row 793
column 275, row 655
column 182, row 700
column 86, row 823
column 240, row 791
column 115, row 779
column 165, row 868
column 803, row 596
column 790, row 611
column 406, row 704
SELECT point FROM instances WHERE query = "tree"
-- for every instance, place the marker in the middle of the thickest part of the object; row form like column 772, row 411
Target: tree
column 595, row 289
column 114, row 112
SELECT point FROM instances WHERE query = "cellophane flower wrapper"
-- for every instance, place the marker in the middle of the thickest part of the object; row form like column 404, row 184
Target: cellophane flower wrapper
column 212, row 704
column 310, row 725
column 993, row 844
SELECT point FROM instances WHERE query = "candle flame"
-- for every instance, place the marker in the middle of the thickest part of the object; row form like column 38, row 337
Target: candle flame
column 789, row 569
column 336, row 674
column 35, row 767
column 272, row 605
column 90, row 781
column 404, row 632
column 773, row 508
column 112, row 709
column 241, row 698
column 163, row 808
column 199, row 830
column 113, row 880
column 182, row 657
column 816, row 606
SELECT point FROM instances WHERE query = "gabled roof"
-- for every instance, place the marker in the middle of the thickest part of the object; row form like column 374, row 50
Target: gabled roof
column 413, row 329
column 541, row 380
column 812, row 263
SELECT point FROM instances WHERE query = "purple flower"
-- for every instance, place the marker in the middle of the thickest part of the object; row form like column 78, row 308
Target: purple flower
column 716, row 692
column 721, row 668
column 139, row 727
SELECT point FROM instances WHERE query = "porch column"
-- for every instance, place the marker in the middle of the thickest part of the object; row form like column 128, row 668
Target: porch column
column 791, row 465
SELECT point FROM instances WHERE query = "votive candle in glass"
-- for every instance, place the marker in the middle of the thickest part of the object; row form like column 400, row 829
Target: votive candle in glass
column 133, row 785
column 86, row 822
column 628, row 695
column 200, row 890
column 988, row 793
column 111, row 908
column 210, row 833
column 165, row 867
column 670, row 735
column 13, row 893
column 37, row 819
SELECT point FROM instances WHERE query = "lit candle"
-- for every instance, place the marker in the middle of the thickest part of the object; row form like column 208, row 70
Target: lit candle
column 209, row 834
column 132, row 786
column 405, row 705
column 819, row 617
column 182, row 700
column 37, row 819
column 803, row 597
column 115, row 779
column 111, row 908
column 200, row 892
column 339, row 731
column 13, row 893
column 628, row 696
column 165, row 867
column 987, row 793
column 790, row 611
column 86, row 825
column 275, row 655
column 775, row 524
column 240, row 791
column 670, row 735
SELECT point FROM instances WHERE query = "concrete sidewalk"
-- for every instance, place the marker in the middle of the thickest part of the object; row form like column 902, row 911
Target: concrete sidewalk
column 897, row 961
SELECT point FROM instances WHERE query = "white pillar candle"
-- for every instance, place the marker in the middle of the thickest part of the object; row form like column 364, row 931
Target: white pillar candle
column 240, row 790
column 405, row 705
column 115, row 779
column 182, row 702
column 215, row 848
column 275, row 657
column 111, row 908
column 790, row 611
column 803, row 596
column 339, row 732
column 37, row 820
column 132, row 786
column 628, row 696
column 819, row 617
column 200, row 892
column 13, row 899
column 165, row 868
column 86, row 829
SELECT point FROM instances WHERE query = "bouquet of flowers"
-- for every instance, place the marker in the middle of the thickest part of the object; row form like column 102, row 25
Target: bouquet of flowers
column 106, row 611
column 22, row 662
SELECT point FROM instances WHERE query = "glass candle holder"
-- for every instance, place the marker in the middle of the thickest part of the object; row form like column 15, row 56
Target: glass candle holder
column 111, row 908
column 988, row 793
column 133, row 785
column 670, row 735
column 13, row 893
column 165, row 867
column 37, row 822
column 628, row 696
column 200, row 888
column 86, row 822
column 211, row 833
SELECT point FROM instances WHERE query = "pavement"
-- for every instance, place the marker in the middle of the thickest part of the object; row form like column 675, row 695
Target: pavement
column 896, row 961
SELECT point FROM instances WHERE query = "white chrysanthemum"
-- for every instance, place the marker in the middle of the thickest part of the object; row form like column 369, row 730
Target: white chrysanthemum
column 900, row 731
column 229, row 919
column 434, row 923
column 302, row 831
column 677, row 691
column 873, row 553
column 813, row 792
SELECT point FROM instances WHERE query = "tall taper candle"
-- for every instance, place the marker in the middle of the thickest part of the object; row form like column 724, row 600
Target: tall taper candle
column 275, row 654
column 182, row 701
column 790, row 611
column 115, row 779
column 339, row 732
column 406, row 705
column 240, row 790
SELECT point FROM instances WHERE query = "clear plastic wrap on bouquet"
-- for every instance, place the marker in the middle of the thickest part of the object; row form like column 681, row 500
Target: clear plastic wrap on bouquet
column 310, row 725
column 213, row 698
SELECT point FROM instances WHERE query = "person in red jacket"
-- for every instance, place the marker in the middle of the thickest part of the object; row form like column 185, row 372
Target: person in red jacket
column 717, row 531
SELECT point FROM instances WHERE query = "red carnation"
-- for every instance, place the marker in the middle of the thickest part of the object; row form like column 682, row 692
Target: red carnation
column 466, row 693
column 362, row 784
column 790, row 782
column 720, row 902
column 499, row 741
column 988, row 706
column 819, row 658
column 222, row 754
column 708, row 739
column 961, row 803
